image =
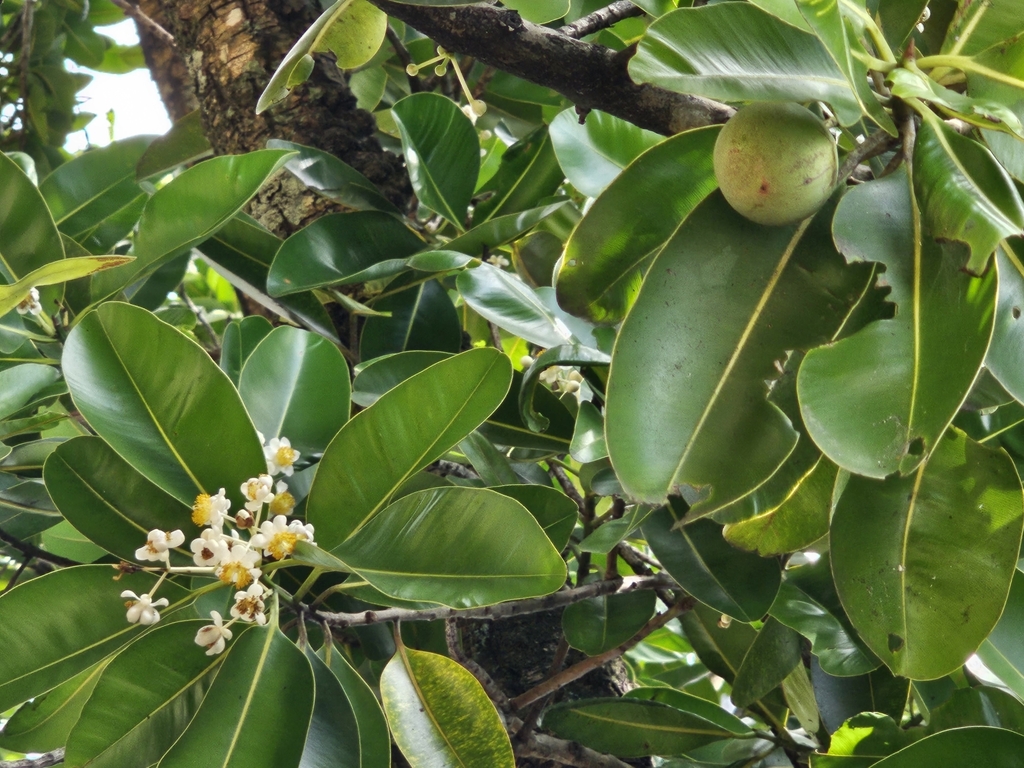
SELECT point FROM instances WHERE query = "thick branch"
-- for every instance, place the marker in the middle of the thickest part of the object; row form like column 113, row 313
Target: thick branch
column 566, row 753
column 591, row 76
column 514, row 608
column 43, row 761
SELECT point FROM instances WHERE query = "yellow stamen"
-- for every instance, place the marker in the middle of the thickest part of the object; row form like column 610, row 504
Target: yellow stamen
column 282, row 544
column 283, row 504
column 285, row 456
column 235, row 573
column 202, row 510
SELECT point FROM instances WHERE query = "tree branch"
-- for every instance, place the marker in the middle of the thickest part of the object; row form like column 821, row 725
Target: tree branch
column 139, row 17
column 591, row 76
column 43, row 761
column 602, row 19
column 566, row 753
column 33, row 552
column 501, row 610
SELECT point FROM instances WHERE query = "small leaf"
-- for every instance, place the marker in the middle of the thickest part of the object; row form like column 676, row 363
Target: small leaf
column 421, row 317
column 240, row 339
column 588, row 443
column 601, row 623
column 184, row 143
column 1001, row 748
column 440, row 715
column 693, row 704
column 56, row 273
column 1002, row 651
column 44, row 723
column 774, row 653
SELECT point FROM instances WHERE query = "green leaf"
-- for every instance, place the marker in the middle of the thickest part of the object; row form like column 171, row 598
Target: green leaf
column 342, row 248
column 422, row 317
column 737, row 52
column 628, row 225
column 55, row 273
column 442, row 153
column 720, row 648
column 862, row 741
column 244, row 719
column 902, row 385
column 491, row 464
column 961, row 746
column 240, row 338
column 86, row 190
column 461, row 547
column 1005, row 358
column 295, row 384
column 693, row 704
column 593, row 154
column 382, row 374
column 774, row 653
column 631, row 727
column 729, row 580
column 566, row 354
column 184, row 143
column 382, row 447
column 838, row 649
column 44, row 723
column 333, row 178
column 189, row 210
column 601, row 623
column 1006, row 58
column 799, row 521
column 983, row 113
column 1002, row 651
column 528, row 173
column 611, row 532
column 890, row 544
column 20, row 384
column 176, row 408
column 555, row 511
column 975, row 706
column 83, row 621
column 484, row 238
column 100, row 494
column 799, row 696
column 440, row 715
column 126, row 723
column 352, row 30
column 540, row 11
column 966, row 197
column 840, row 698
column 977, row 27
column 726, row 321
column 588, row 443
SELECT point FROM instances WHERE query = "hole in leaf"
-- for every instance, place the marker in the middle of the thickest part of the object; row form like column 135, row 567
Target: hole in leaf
column 1016, row 313
column 916, row 447
column 895, row 642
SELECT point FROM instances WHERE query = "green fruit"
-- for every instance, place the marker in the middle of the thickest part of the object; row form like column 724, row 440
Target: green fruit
column 775, row 162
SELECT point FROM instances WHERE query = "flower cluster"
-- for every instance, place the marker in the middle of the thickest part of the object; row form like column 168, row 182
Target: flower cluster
column 221, row 551
column 558, row 377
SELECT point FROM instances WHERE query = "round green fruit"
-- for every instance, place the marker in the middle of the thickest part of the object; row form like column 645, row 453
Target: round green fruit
column 776, row 162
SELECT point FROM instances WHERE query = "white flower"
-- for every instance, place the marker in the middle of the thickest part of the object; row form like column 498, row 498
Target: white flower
column 210, row 510
column 213, row 636
column 277, row 538
column 258, row 491
column 142, row 608
column 239, row 567
column 249, row 604
column 283, row 502
column 280, row 457
column 498, row 261
column 158, row 543
column 209, row 549
column 526, row 361
column 549, row 376
column 30, row 304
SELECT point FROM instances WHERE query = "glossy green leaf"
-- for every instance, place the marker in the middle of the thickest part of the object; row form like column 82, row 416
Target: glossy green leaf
column 609, row 252
column 901, row 386
column 498, row 231
column 555, row 511
column 295, row 384
column 611, row 532
column 172, row 399
column 342, row 248
column 566, row 354
column 244, row 719
column 84, row 621
column 720, row 648
column 490, row 464
column 352, row 30
column 1005, row 358
column 243, row 252
column 65, row 541
column 528, row 173
column 55, row 273
column 240, row 338
column 1002, row 651
column 44, row 723
column 799, row 696
column 774, row 653
column 919, row 611
column 588, row 443
column 382, row 374
column 422, row 317
column 840, row 698
column 440, row 715
column 983, row 113
column 839, row 650
column 189, row 210
column 631, row 727
column 961, row 746
column 737, row 52
column 20, row 384
column 863, row 740
column 977, row 27
column 127, row 723
column 799, row 521
column 729, row 580
column 442, row 153
column 96, row 184
column 333, row 178
column 540, row 11
column 461, row 547
column 966, row 197
column 1006, row 58
column 184, row 143
column 722, row 294
column 977, row 706
column 693, row 704
column 593, row 154
column 601, row 623
column 382, row 447
column 103, row 497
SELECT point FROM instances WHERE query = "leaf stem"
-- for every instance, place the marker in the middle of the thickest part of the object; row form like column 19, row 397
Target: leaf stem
column 967, row 64
column 881, row 44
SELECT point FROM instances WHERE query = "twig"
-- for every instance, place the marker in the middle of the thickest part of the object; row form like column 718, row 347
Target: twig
column 403, row 56
column 483, row 81
column 533, row 713
column 43, row 761
column 875, row 144
column 565, row 752
column 140, row 17
column 640, row 564
column 34, row 552
column 601, row 19
column 25, row 64
column 576, row 671
column 570, row 490
column 501, row 610
column 200, row 315
column 495, row 335
column 444, row 468
column 494, row 693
